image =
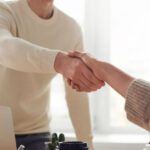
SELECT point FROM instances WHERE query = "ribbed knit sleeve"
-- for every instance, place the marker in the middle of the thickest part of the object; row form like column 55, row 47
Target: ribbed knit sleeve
column 138, row 103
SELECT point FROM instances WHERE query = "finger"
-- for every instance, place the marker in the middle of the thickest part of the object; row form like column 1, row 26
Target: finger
column 74, row 86
column 87, row 78
column 81, row 79
column 81, row 86
column 91, row 79
column 86, row 84
column 86, row 89
column 86, row 58
column 76, row 54
column 69, row 81
column 102, row 84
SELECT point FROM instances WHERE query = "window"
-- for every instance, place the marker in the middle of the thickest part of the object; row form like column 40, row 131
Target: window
column 121, row 35
column 129, row 47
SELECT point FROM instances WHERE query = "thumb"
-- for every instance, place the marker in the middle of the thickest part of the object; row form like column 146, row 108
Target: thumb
column 75, row 54
column 83, row 56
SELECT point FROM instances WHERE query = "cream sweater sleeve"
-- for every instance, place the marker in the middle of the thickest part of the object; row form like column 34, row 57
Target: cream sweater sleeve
column 138, row 103
column 20, row 55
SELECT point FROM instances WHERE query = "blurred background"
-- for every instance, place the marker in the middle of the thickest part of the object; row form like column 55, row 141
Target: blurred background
column 117, row 31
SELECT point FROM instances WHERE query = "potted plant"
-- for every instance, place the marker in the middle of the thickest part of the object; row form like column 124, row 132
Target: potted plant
column 55, row 141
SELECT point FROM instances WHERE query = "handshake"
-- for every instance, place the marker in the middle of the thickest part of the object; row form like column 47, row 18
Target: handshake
column 82, row 71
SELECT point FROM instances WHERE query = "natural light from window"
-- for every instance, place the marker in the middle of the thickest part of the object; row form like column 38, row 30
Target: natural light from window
column 130, row 47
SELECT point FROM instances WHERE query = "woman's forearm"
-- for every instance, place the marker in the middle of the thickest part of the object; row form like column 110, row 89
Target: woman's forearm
column 115, row 77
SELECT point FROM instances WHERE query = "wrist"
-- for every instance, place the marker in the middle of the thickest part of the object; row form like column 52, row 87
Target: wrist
column 59, row 61
column 100, row 70
column 105, row 70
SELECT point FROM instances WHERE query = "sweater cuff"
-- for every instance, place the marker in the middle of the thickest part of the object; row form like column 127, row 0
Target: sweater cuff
column 47, row 60
column 137, row 102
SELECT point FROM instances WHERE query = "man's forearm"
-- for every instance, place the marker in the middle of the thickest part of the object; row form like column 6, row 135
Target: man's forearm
column 21, row 55
column 116, row 78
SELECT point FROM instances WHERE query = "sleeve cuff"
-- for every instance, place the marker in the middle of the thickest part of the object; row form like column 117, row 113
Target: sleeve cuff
column 47, row 61
column 137, row 102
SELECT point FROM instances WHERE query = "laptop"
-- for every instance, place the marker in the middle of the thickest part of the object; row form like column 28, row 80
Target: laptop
column 7, row 136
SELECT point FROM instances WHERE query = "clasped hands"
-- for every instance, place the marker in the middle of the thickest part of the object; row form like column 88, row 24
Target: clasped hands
column 77, row 68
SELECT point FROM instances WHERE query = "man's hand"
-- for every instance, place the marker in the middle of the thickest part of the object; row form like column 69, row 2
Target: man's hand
column 91, row 62
column 79, row 76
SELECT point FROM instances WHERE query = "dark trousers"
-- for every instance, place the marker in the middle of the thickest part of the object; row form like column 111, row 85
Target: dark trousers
column 33, row 141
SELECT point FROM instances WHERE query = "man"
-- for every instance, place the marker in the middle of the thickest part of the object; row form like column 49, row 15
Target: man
column 32, row 33
column 136, row 91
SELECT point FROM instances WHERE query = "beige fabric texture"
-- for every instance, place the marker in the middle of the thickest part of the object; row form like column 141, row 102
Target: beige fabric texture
column 138, row 103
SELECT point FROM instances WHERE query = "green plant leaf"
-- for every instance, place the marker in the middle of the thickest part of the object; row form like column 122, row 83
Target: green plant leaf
column 61, row 137
column 54, row 138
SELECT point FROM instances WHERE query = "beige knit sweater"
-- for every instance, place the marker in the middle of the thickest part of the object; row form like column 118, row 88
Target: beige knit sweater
column 138, row 103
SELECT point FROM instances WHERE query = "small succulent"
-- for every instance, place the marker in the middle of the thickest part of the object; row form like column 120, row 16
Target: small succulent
column 55, row 141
